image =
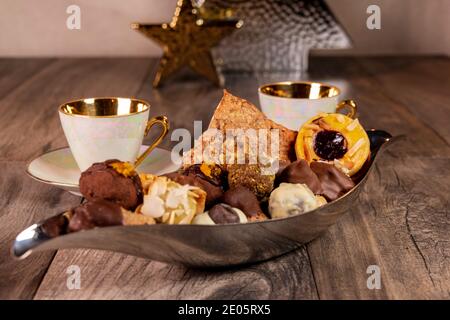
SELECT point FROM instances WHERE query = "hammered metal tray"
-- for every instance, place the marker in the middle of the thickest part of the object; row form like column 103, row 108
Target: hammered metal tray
column 208, row 245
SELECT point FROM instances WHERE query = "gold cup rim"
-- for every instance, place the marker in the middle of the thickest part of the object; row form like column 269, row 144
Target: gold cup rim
column 289, row 83
column 144, row 102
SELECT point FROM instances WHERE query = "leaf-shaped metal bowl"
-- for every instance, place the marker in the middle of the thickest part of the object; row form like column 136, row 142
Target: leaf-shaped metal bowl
column 208, row 245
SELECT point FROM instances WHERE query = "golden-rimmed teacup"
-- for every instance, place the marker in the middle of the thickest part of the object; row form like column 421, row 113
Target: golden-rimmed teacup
column 98, row 129
column 292, row 103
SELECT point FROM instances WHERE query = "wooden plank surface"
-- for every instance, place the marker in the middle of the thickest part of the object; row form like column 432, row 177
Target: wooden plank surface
column 400, row 223
column 32, row 91
column 105, row 275
column 422, row 87
column 19, row 279
column 23, row 203
column 17, row 72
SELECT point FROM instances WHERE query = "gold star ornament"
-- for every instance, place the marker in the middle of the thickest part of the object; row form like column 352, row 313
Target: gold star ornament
column 187, row 41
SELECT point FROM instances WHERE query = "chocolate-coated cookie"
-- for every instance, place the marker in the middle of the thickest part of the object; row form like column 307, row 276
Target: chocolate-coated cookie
column 300, row 172
column 334, row 182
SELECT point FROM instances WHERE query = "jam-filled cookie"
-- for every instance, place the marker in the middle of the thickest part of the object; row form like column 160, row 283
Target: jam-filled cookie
column 336, row 139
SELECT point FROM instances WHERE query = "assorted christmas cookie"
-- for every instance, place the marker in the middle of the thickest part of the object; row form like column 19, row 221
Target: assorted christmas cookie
column 336, row 139
column 291, row 199
column 329, row 149
column 220, row 214
column 334, row 182
column 244, row 199
column 251, row 177
column 211, row 178
column 112, row 180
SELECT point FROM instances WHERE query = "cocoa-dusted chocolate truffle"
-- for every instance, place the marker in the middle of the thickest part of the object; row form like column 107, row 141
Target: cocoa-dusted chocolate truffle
column 114, row 181
column 334, row 182
column 245, row 200
column 300, row 172
column 96, row 213
column 250, row 176
column 209, row 178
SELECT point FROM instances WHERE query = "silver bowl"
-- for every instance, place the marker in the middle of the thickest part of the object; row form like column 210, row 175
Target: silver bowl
column 208, row 245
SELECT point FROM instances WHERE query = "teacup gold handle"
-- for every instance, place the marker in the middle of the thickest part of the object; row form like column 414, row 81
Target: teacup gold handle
column 164, row 122
column 350, row 105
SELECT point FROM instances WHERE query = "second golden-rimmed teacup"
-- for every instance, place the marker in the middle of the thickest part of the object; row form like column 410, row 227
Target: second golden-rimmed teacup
column 98, row 129
column 293, row 103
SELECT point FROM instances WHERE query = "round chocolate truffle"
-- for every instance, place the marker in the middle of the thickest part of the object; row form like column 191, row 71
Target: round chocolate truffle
column 220, row 214
column 291, row 199
column 107, row 181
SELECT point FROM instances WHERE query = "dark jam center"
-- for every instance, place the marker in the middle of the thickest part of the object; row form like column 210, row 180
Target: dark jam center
column 330, row 145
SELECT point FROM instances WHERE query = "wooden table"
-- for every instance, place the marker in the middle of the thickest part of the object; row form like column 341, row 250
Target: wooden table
column 401, row 222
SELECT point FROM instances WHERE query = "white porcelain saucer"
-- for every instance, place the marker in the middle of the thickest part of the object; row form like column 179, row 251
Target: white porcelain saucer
column 58, row 167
